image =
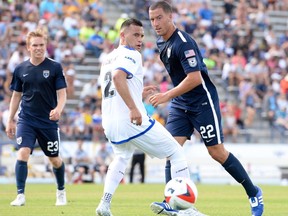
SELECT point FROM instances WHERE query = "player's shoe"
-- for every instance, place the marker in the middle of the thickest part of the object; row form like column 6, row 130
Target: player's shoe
column 257, row 205
column 19, row 201
column 191, row 212
column 103, row 209
column 163, row 208
column 61, row 198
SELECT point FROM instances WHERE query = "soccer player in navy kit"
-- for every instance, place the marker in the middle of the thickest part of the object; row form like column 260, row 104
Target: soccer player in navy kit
column 39, row 87
column 195, row 103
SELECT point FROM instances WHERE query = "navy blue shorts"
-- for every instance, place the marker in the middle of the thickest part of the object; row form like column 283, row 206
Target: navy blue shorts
column 48, row 139
column 207, row 122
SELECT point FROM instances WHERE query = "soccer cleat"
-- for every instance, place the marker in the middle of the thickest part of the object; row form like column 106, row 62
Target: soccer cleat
column 257, row 205
column 190, row 212
column 61, row 198
column 19, row 201
column 163, row 208
column 103, row 209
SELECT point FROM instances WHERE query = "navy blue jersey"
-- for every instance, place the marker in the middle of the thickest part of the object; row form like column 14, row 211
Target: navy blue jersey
column 181, row 55
column 38, row 85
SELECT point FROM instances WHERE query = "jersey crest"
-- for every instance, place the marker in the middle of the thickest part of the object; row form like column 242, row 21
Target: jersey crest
column 46, row 73
column 19, row 140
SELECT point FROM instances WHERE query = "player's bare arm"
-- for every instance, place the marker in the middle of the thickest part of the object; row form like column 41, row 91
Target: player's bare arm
column 14, row 104
column 120, row 82
column 56, row 113
column 191, row 81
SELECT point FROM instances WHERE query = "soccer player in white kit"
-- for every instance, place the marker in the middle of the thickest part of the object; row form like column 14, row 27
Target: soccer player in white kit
column 125, row 121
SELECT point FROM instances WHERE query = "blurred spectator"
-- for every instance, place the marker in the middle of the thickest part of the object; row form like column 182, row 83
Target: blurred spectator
column 229, row 7
column 98, row 12
column 6, row 32
column 47, row 9
column 2, row 88
column 31, row 22
column 206, row 15
column 97, row 129
column 238, row 62
column 70, row 79
column 90, row 89
column 270, row 106
column 103, row 157
column 79, row 51
column 251, row 102
column 230, row 126
column 284, row 86
column 138, row 158
column 119, row 21
column 96, row 44
column 87, row 30
column 55, row 24
column 70, row 20
column 19, row 55
column 242, row 12
column 83, row 170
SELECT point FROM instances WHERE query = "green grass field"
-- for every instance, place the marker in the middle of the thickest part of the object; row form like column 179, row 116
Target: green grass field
column 134, row 200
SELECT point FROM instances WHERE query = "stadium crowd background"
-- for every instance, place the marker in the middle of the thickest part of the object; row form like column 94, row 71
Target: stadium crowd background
column 251, row 72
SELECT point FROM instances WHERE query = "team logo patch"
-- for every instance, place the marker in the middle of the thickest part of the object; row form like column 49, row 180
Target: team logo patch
column 169, row 52
column 189, row 53
column 19, row 140
column 192, row 61
column 46, row 73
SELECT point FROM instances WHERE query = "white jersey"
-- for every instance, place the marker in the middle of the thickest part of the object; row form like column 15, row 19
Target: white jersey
column 115, row 114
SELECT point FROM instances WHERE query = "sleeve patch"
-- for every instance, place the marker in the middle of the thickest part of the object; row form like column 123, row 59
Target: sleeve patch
column 192, row 61
column 189, row 53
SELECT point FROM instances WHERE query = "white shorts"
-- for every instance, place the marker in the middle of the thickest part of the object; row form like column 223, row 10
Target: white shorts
column 157, row 142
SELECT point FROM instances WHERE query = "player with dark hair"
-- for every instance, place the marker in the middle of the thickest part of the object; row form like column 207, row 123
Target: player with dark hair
column 124, row 117
column 195, row 103
column 39, row 87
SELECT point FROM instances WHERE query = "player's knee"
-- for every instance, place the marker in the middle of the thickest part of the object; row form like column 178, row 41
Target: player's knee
column 56, row 162
column 23, row 154
column 220, row 155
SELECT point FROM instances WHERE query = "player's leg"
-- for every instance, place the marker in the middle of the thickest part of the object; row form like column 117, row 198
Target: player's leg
column 25, row 138
column 115, row 174
column 181, row 129
column 49, row 141
column 212, row 135
column 158, row 142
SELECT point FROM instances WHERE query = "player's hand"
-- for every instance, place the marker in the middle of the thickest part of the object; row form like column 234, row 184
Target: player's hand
column 135, row 117
column 11, row 130
column 148, row 90
column 159, row 98
column 54, row 115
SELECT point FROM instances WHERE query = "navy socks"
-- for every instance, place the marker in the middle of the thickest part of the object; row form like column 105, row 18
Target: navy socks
column 60, row 176
column 233, row 166
column 168, row 171
column 21, row 172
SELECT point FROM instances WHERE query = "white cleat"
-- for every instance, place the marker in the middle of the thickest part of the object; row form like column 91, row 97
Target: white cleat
column 61, row 198
column 163, row 208
column 19, row 201
column 190, row 212
column 103, row 209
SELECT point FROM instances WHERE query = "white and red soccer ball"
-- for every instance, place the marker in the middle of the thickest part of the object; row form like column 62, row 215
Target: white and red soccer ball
column 181, row 193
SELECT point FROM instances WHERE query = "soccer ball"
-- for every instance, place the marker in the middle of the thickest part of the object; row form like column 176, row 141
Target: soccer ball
column 180, row 193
